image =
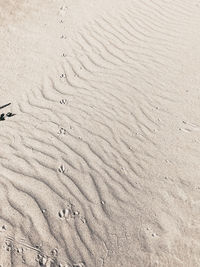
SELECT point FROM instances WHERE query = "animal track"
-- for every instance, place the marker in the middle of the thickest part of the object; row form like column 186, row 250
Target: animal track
column 70, row 213
column 34, row 254
column 63, row 101
column 63, row 37
column 62, row 131
column 27, row 253
column 63, row 75
column 63, row 11
column 189, row 127
column 64, row 213
column 61, row 169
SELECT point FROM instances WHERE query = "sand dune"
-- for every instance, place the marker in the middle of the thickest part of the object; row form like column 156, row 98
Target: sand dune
column 99, row 142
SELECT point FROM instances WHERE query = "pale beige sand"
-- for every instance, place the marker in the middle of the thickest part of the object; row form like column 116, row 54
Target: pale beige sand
column 100, row 165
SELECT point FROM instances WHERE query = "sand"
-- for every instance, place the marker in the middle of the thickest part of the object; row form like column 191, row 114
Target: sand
column 99, row 133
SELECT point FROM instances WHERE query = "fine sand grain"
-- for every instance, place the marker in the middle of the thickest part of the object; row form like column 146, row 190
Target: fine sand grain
column 99, row 133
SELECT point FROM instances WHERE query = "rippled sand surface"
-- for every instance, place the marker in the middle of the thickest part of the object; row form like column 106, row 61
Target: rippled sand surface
column 99, row 133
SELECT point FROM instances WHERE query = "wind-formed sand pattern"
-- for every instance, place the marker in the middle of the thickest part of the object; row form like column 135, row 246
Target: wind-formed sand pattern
column 99, row 133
